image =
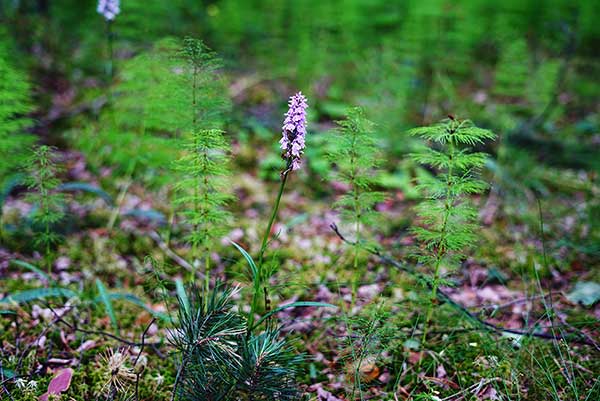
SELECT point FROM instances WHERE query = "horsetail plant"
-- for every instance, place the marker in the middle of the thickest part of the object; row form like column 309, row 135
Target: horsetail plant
column 42, row 171
column 448, row 220
column 15, row 103
column 204, row 168
column 355, row 154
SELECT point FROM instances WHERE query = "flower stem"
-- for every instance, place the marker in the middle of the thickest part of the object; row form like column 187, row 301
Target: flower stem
column 261, row 279
column 265, row 240
column 109, row 39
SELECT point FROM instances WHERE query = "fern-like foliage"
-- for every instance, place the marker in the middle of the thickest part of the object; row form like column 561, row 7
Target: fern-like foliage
column 157, row 100
column 135, row 134
column 15, row 103
column 203, row 187
column 221, row 360
column 512, row 71
column 356, row 156
column 447, row 219
column 203, row 167
column 42, row 180
column 368, row 332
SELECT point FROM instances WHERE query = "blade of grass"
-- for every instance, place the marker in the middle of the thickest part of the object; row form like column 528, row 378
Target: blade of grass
column 182, row 295
column 38, row 293
column 104, row 297
column 31, row 267
column 136, row 301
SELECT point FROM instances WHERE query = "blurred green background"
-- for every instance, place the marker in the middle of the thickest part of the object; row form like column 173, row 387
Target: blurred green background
column 526, row 69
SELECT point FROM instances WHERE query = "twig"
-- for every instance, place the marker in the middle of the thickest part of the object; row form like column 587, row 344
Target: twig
column 138, row 372
column 581, row 332
column 58, row 113
column 442, row 296
column 4, row 389
column 178, row 377
column 474, row 388
column 169, row 252
column 98, row 332
column 510, row 303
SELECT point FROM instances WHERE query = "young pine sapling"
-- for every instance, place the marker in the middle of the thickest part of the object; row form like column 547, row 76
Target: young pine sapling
column 222, row 360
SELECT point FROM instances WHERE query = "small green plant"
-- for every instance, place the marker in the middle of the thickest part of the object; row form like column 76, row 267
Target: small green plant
column 203, row 191
column 447, row 220
column 512, row 71
column 15, row 104
column 160, row 97
column 292, row 146
column 356, row 157
column 204, row 164
column 222, row 360
column 368, row 336
column 42, row 180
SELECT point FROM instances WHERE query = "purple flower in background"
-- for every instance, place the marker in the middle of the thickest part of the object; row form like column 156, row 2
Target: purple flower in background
column 294, row 130
column 108, row 8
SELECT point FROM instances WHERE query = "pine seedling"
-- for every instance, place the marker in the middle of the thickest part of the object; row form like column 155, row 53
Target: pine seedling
column 208, row 338
column 221, row 360
column 268, row 370
column 204, row 165
column 356, row 157
column 42, row 180
column 447, row 220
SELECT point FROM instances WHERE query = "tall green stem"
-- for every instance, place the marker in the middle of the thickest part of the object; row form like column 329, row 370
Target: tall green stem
column 441, row 249
column 207, row 274
column 197, row 166
column 109, row 39
column 266, row 236
column 261, row 279
column 47, row 231
column 357, row 212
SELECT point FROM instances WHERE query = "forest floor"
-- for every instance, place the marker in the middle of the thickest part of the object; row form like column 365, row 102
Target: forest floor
column 526, row 274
